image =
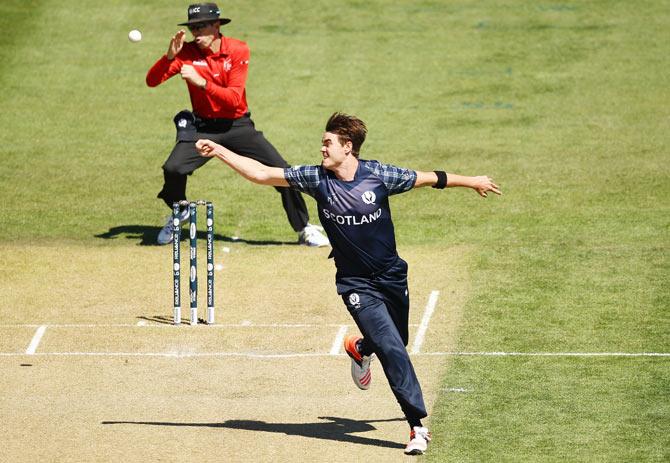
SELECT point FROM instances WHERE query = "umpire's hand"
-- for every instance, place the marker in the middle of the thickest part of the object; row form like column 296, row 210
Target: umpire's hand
column 176, row 44
column 189, row 74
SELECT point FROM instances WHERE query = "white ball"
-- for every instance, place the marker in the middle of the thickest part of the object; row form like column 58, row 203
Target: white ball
column 134, row 35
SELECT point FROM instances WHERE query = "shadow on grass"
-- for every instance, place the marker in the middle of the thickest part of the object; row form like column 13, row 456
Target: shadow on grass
column 337, row 429
column 147, row 234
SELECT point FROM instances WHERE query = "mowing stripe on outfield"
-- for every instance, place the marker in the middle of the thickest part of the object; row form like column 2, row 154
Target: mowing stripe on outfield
column 317, row 354
column 32, row 347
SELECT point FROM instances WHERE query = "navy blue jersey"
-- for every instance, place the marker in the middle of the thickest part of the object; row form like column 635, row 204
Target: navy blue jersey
column 356, row 214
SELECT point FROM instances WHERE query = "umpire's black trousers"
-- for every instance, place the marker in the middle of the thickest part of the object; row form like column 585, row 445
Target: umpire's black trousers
column 239, row 136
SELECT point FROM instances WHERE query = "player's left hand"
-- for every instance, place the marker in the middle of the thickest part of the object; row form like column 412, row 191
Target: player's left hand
column 483, row 184
column 189, row 74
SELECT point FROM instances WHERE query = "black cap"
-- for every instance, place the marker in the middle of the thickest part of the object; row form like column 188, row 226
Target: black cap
column 204, row 12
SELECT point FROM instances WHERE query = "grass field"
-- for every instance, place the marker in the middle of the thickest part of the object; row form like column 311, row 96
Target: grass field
column 564, row 103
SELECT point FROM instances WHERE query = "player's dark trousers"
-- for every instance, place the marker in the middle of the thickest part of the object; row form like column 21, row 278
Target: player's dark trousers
column 239, row 136
column 380, row 307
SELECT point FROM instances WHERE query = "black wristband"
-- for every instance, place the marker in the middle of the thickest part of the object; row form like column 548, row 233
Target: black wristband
column 441, row 179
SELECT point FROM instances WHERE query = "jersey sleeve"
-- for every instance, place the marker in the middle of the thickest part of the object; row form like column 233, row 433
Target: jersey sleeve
column 303, row 178
column 162, row 70
column 396, row 179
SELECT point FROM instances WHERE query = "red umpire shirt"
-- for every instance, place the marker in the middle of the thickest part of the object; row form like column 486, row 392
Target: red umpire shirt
column 224, row 96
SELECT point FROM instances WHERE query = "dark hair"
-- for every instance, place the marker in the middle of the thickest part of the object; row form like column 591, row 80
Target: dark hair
column 347, row 128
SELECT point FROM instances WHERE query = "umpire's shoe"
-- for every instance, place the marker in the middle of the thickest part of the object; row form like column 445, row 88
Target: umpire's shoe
column 165, row 235
column 311, row 236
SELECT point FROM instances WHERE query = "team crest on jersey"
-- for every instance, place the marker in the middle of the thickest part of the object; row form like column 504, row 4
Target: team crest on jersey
column 355, row 300
column 227, row 65
column 369, row 197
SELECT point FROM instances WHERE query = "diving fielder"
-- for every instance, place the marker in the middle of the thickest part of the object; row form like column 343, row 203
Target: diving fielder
column 352, row 197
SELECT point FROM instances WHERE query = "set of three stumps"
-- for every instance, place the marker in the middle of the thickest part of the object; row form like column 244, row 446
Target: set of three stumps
column 193, row 260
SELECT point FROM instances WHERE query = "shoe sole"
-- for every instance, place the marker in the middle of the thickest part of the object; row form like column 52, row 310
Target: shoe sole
column 362, row 382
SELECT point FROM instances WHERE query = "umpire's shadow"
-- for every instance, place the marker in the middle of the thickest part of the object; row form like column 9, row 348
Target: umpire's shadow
column 337, row 429
column 146, row 234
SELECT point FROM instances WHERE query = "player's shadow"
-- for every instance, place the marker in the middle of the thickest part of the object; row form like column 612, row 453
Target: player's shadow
column 337, row 429
column 146, row 234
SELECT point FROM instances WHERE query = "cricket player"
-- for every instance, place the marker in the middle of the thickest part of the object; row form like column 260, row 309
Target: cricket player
column 352, row 197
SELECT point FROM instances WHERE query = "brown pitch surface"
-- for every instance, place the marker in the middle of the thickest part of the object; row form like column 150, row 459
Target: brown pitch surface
column 262, row 385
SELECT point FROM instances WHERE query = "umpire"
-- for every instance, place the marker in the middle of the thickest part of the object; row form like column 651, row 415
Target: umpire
column 215, row 70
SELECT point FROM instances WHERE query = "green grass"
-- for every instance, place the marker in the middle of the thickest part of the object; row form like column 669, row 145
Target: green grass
column 564, row 103
column 530, row 409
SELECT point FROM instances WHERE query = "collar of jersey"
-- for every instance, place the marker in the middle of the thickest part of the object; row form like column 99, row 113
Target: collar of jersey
column 350, row 184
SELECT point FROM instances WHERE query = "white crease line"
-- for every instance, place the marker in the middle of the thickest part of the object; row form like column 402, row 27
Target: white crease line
column 290, row 355
column 339, row 339
column 169, row 354
column 182, row 326
column 549, row 354
column 430, row 308
column 36, row 340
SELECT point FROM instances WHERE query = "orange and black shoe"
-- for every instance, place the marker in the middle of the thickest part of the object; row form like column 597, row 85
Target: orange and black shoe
column 360, row 364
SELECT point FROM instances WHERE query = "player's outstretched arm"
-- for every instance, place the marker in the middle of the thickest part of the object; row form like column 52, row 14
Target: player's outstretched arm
column 248, row 168
column 481, row 184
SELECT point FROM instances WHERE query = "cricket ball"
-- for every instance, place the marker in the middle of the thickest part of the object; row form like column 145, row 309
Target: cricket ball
column 134, row 35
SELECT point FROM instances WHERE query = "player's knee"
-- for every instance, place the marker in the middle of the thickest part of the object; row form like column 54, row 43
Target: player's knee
column 387, row 345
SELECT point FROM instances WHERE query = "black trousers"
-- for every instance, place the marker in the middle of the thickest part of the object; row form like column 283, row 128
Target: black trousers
column 380, row 308
column 238, row 135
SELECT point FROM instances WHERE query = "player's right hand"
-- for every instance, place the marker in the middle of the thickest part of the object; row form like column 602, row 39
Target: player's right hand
column 176, row 44
column 206, row 148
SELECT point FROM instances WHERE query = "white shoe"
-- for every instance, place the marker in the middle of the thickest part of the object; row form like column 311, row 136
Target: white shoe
column 360, row 364
column 165, row 235
column 418, row 441
column 311, row 236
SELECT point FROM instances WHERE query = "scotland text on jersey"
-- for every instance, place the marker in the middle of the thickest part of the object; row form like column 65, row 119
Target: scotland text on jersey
column 352, row 219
